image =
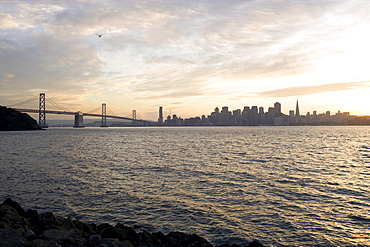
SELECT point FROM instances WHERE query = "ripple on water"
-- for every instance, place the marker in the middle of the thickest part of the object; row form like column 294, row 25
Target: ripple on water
column 281, row 185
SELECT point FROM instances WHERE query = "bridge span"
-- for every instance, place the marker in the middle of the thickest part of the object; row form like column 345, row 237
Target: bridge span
column 78, row 121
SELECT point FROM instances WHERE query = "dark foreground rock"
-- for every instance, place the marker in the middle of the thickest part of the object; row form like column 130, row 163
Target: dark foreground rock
column 13, row 120
column 32, row 229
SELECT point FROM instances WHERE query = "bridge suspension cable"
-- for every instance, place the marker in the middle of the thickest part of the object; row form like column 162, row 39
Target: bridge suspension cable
column 26, row 101
column 111, row 112
column 138, row 117
column 55, row 104
column 98, row 109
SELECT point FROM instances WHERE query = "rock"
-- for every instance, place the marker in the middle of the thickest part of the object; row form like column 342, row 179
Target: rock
column 31, row 213
column 93, row 240
column 109, row 242
column 159, row 235
column 43, row 221
column 130, row 233
column 147, row 239
column 255, row 243
column 11, row 237
column 67, row 224
column 30, row 235
column 172, row 244
column 14, row 205
column 187, row 240
column 125, row 243
column 112, row 232
column 102, row 226
column 9, row 217
column 86, row 229
column 64, row 238
column 41, row 243
column 31, row 229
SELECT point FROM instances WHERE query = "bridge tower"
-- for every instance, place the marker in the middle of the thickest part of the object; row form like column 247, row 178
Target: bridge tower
column 134, row 117
column 103, row 115
column 42, row 111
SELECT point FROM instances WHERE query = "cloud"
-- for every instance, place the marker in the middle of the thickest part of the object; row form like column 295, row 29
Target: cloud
column 308, row 90
column 167, row 49
column 49, row 62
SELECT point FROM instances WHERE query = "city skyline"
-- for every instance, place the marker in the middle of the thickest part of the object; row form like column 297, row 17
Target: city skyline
column 254, row 115
column 186, row 56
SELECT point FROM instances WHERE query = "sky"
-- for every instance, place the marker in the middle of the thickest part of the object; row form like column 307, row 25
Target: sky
column 186, row 56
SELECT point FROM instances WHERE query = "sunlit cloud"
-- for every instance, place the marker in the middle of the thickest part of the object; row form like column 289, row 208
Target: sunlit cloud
column 172, row 50
column 308, row 90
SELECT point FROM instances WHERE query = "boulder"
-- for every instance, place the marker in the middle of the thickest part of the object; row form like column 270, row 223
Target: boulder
column 112, row 232
column 29, row 228
column 130, row 233
column 64, row 238
column 186, row 240
column 93, row 240
column 109, row 242
column 12, row 237
column 29, row 235
column 85, row 229
column 10, row 218
column 14, row 205
column 43, row 221
column 41, row 243
column 148, row 239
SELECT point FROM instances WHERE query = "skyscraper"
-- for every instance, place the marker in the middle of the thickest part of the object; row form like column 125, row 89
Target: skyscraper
column 262, row 116
column 277, row 107
column 225, row 115
column 253, row 116
column 297, row 110
column 160, row 118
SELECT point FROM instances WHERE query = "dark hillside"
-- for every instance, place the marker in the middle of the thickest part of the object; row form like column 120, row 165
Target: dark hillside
column 14, row 120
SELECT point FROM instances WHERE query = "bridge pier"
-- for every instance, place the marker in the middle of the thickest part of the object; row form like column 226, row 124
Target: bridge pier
column 79, row 120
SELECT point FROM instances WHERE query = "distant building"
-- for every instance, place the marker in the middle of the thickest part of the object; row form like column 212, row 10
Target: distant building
column 253, row 116
column 160, row 117
column 245, row 115
column 225, row 115
column 270, row 116
column 297, row 114
column 262, row 116
column 292, row 119
column 237, row 116
column 277, row 107
column 175, row 119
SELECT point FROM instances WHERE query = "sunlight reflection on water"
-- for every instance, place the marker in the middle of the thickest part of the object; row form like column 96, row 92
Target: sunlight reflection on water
column 296, row 186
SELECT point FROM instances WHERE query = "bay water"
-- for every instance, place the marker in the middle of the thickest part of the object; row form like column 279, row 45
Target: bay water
column 282, row 186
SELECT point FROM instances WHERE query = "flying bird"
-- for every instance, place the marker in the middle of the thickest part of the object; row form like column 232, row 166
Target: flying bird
column 99, row 35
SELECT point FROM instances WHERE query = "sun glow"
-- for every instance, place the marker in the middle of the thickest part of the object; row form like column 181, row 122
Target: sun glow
column 351, row 57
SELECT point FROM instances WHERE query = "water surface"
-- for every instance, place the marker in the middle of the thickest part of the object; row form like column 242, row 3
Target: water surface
column 284, row 186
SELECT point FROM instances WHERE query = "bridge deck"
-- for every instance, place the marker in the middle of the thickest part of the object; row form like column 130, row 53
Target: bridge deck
column 77, row 113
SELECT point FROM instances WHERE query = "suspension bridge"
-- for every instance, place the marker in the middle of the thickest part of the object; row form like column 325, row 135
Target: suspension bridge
column 78, row 116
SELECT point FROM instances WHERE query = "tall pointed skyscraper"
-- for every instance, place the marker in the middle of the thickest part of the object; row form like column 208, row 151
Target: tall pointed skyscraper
column 297, row 110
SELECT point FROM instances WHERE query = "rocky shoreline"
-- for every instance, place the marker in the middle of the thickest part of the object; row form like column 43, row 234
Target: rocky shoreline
column 32, row 229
